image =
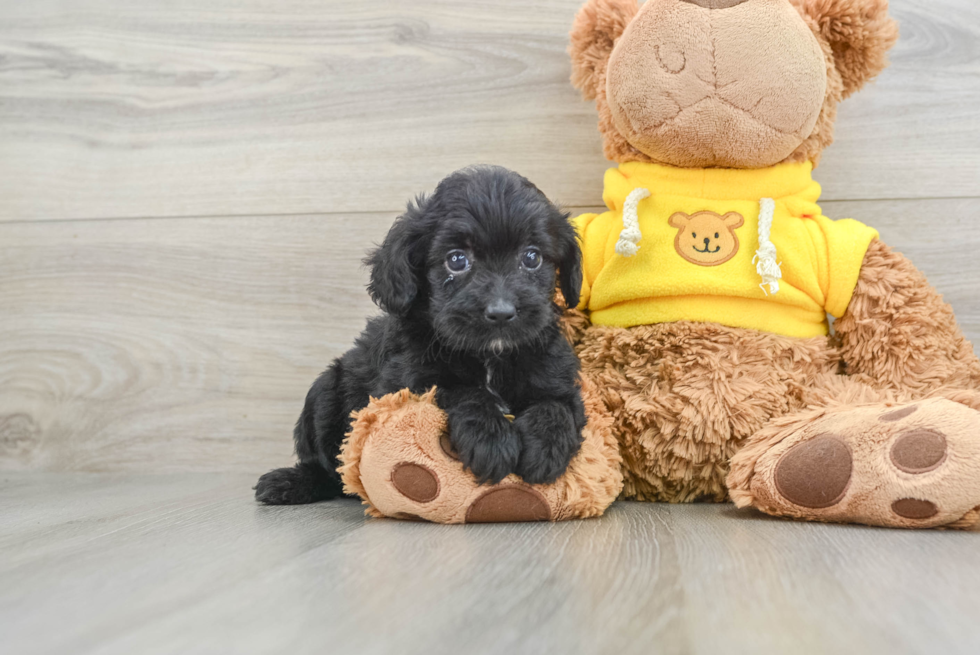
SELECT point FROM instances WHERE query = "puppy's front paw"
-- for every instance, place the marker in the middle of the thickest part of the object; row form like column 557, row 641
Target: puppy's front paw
column 489, row 447
column 549, row 441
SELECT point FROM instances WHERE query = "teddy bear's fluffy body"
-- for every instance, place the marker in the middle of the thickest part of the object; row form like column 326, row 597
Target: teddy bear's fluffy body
column 686, row 396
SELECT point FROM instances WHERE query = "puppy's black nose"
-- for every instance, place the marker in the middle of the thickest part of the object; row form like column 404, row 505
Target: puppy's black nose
column 707, row 241
column 500, row 311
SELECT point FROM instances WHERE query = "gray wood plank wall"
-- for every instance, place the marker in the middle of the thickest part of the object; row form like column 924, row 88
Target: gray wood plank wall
column 187, row 188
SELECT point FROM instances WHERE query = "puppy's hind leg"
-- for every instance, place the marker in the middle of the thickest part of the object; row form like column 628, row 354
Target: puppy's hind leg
column 314, row 477
column 307, row 482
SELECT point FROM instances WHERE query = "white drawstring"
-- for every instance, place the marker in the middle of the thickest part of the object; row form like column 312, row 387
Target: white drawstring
column 630, row 236
column 765, row 256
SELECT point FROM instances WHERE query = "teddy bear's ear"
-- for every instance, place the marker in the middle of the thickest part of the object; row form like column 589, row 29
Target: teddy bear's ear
column 733, row 220
column 860, row 34
column 679, row 220
column 597, row 26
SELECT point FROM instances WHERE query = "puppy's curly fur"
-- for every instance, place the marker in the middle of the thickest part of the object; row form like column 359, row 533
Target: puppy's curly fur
column 466, row 278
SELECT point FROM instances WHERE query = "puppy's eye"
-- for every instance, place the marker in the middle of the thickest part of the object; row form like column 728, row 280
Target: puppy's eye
column 457, row 261
column 694, row 234
column 531, row 259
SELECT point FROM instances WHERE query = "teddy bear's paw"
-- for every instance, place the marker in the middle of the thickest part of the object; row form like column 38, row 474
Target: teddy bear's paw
column 445, row 493
column 400, row 460
column 912, row 466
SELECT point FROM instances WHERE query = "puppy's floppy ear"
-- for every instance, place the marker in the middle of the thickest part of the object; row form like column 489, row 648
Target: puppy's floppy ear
column 597, row 26
column 569, row 259
column 397, row 264
column 860, row 34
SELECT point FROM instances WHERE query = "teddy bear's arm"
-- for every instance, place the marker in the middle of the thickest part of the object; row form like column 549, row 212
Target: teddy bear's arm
column 898, row 333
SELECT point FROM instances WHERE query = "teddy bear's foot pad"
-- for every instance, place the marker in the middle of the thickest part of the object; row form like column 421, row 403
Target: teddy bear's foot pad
column 509, row 503
column 512, row 502
column 815, row 473
column 916, row 465
column 419, row 485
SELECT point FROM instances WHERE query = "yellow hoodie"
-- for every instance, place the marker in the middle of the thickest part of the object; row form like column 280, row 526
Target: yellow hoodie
column 744, row 248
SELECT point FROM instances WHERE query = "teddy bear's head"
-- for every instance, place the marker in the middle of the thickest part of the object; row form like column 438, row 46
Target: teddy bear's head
column 725, row 83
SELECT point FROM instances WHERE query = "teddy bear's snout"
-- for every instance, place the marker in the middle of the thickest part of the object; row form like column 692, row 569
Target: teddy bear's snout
column 710, row 246
column 716, row 4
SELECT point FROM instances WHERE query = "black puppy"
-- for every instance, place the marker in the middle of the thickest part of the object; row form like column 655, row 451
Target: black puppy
column 467, row 280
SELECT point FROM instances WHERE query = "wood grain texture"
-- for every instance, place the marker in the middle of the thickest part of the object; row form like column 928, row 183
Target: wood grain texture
column 114, row 108
column 187, row 563
column 189, row 344
column 171, row 344
column 775, row 586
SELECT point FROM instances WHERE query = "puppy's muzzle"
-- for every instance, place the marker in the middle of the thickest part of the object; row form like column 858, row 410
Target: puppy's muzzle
column 500, row 311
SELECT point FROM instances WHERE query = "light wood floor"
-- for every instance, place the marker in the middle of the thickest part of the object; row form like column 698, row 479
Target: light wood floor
column 186, row 563
column 186, row 191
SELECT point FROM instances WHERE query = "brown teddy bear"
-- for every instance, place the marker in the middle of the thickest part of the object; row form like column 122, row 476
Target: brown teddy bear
column 709, row 280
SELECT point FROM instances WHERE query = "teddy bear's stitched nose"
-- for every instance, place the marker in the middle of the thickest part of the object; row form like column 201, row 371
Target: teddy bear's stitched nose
column 716, row 4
